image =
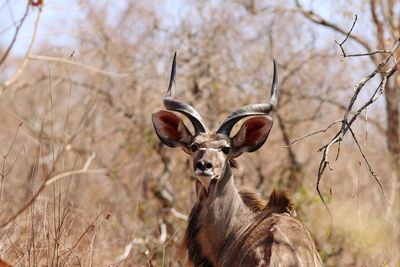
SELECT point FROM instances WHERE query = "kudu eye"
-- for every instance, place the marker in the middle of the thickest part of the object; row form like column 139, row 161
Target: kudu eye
column 194, row 147
column 226, row 149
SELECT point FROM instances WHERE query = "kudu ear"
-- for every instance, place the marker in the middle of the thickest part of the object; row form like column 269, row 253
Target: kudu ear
column 252, row 134
column 171, row 130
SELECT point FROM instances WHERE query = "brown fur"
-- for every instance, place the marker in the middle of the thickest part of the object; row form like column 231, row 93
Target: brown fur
column 234, row 163
column 279, row 202
column 189, row 243
column 252, row 200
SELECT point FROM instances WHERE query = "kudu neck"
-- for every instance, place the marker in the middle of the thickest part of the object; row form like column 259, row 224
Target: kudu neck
column 222, row 214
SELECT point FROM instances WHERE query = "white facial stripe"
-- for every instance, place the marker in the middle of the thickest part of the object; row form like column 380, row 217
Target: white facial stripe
column 209, row 148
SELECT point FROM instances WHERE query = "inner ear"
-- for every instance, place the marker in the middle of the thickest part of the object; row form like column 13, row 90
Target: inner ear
column 171, row 130
column 253, row 134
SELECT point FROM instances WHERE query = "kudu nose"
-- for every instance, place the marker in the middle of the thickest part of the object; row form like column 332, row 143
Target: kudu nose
column 203, row 165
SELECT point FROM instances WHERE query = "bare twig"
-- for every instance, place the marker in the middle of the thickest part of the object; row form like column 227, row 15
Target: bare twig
column 360, row 85
column 339, row 105
column 368, row 54
column 313, row 133
column 17, row 28
column 4, row 173
column 178, row 214
column 86, row 67
column 165, row 246
column 76, row 172
column 91, row 226
column 347, row 36
column 24, row 207
column 359, row 54
column 49, row 181
column 26, row 59
column 368, row 164
column 321, row 21
column 163, row 232
column 85, row 170
column 346, row 122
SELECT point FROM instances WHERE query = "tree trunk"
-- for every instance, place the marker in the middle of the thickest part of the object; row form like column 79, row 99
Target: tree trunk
column 393, row 143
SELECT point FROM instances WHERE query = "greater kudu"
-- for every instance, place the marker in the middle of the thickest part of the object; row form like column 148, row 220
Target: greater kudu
column 227, row 227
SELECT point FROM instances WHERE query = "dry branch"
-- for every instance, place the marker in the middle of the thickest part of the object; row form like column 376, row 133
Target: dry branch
column 86, row 67
column 49, row 181
column 359, row 54
column 17, row 28
column 85, row 170
column 26, row 59
column 310, row 15
column 339, row 105
column 347, row 122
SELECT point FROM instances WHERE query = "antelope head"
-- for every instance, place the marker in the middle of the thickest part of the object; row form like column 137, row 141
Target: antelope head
column 213, row 151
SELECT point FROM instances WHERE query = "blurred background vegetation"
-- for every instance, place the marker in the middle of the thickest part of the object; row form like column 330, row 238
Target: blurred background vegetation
column 84, row 179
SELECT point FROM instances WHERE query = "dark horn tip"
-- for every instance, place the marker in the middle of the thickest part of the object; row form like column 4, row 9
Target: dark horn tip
column 174, row 60
column 274, row 87
column 172, row 75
